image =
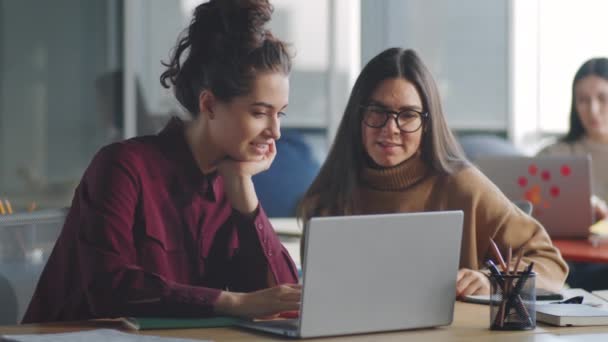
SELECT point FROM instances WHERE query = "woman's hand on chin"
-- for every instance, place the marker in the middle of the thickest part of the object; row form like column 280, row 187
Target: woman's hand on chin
column 237, row 179
column 231, row 168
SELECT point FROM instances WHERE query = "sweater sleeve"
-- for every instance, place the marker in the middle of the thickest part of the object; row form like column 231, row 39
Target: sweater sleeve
column 490, row 214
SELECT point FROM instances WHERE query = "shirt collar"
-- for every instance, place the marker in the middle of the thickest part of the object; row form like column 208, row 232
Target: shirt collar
column 189, row 175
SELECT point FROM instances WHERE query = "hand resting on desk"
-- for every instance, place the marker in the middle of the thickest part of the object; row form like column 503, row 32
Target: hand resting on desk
column 470, row 282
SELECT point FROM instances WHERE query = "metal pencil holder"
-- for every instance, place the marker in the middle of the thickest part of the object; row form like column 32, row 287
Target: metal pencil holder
column 512, row 301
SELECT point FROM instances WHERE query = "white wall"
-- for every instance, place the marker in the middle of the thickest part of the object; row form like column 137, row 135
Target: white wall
column 464, row 44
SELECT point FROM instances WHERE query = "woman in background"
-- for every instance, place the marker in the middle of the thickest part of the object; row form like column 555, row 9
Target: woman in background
column 393, row 152
column 588, row 135
column 170, row 225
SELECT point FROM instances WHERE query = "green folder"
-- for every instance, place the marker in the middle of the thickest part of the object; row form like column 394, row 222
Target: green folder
column 148, row 323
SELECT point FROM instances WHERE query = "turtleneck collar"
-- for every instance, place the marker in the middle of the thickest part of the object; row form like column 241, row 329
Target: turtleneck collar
column 594, row 145
column 398, row 177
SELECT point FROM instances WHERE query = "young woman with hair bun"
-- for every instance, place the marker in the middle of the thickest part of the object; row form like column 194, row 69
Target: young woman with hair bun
column 170, row 224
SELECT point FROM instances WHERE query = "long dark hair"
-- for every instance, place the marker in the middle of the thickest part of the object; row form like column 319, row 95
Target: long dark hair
column 593, row 67
column 227, row 45
column 332, row 192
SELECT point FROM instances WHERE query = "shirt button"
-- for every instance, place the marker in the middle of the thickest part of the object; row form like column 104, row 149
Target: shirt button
column 269, row 253
column 260, row 226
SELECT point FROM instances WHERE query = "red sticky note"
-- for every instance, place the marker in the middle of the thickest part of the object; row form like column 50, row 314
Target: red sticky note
column 545, row 175
column 522, row 181
column 554, row 191
column 532, row 169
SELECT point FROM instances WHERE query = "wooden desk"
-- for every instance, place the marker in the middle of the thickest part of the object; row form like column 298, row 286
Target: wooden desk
column 471, row 322
column 582, row 251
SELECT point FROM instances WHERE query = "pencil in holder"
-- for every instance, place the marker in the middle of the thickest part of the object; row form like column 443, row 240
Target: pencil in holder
column 512, row 301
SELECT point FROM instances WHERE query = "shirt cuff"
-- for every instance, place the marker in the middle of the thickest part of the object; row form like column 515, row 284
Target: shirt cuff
column 194, row 300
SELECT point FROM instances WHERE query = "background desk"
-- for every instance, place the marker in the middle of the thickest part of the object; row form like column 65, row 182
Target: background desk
column 471, row 322
column 582, row 251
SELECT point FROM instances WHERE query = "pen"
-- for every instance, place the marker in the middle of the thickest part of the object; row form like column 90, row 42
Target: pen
column 515, row 299
column 497, row 255
column 524, row 276
column 495, row 272
column 573, row 300
column 2, row 211
column 508, row 284
column 500, row 317
column 522, row 280
column 520, row 254
column 509, row 256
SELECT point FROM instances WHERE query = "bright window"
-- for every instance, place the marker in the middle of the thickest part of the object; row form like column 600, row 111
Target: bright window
column 570, row 32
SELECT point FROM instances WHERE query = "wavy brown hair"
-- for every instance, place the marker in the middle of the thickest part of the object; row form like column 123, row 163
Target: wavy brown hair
column 333, row 190
column 223, row 49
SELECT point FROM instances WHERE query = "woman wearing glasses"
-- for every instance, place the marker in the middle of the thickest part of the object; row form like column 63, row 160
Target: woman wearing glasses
column 393, row 152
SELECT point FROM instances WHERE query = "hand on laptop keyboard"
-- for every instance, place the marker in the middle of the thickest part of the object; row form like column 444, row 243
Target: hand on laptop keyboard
column 261, row 303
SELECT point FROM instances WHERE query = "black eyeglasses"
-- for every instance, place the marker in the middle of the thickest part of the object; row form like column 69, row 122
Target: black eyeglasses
column 408, row 120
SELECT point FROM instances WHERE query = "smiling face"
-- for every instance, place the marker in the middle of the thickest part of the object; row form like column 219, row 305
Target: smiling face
column 388, row 146
column 591, row 100
column 244, row 127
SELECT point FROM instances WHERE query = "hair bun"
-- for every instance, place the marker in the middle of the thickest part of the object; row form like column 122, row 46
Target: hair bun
column 229, row 25
column 222, row 49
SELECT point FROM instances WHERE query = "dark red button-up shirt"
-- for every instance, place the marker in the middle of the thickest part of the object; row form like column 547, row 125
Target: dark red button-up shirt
column 149, row 235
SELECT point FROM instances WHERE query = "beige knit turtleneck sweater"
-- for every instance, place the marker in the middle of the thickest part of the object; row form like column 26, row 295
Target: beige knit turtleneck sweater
column 414, row 187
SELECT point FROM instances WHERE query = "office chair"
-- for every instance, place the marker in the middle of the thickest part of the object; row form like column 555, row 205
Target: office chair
column 285, row 182
column 476, row 145
column 525, row 206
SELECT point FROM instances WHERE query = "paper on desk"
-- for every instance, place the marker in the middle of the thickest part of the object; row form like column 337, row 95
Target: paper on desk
column 599, row 232
column 287, row 226
column 101, row 335
column 600, row 227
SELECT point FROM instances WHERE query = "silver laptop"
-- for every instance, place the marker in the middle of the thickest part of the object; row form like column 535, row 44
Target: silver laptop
column 376, row 273
column 559, row 188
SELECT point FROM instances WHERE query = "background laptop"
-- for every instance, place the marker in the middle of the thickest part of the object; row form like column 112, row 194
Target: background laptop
column 559, row 188
column 376, row 273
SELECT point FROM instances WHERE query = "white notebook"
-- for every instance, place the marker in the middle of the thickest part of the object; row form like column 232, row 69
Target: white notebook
column 602, row 294
column 571, row 314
